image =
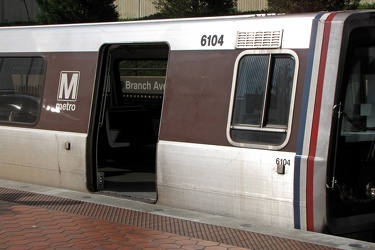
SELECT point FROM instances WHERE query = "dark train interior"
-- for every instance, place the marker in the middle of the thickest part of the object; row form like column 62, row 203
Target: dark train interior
column 130, row 119
column 351, row 176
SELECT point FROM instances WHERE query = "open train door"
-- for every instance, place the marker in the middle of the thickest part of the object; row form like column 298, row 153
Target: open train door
column 127, row 118
column 351, row 174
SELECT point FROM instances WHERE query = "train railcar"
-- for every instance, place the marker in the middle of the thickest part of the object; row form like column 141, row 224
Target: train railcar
column 266, row 118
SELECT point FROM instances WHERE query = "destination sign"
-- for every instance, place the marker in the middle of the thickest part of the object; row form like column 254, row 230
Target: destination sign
column 143, row 85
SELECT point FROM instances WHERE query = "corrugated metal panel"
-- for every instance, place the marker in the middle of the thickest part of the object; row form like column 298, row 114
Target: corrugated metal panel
column 248, row 5
column 141, row 8
column 135, row 8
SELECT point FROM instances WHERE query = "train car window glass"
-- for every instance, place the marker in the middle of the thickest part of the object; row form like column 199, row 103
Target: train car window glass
column 350, row 182
column 21, row 84
column 143, row 67
column 358, row 123
column 262, row 99
column 145, row 77
column 143, row 81
column 280, row 91
column 251, row 86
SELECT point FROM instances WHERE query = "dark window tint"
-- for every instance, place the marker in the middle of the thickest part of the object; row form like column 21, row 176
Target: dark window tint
column 262, row 99
column 21, row 85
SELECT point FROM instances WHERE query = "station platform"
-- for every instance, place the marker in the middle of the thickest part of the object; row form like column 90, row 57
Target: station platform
column 37, row 217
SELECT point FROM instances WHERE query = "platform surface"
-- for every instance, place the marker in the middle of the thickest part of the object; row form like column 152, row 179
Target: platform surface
column 37, row 217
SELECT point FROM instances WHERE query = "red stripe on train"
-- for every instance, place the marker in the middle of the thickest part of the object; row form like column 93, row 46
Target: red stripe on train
column 315, row 126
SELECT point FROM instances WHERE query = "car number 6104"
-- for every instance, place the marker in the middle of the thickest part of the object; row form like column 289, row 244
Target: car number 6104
column 212, row 40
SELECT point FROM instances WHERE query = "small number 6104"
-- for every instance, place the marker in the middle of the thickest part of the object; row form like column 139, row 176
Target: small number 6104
column 284, row 162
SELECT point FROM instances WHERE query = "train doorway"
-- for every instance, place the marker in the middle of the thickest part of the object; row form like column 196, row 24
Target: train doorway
column 351, row 182
column 131, row 98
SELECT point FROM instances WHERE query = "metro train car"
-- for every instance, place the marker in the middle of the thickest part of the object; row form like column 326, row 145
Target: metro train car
column 265, row 118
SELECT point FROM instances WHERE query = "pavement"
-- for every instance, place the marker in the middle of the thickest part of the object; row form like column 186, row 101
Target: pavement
column 37, row 217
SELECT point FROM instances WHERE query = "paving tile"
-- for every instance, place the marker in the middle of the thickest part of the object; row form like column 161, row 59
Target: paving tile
column 86, row 246
column 169, row 246
column 17, row 246
column 144, row 245
column 36, row 238
column 208, row 243
column 39, row 248
column 59, row 240
column 178, row 237
column 187, row 242
column 44, row 244
column 60, row 245
column 166, row 241
column 36, row 234
column 95, row 234
column 16, row 238
column 192, row 247
column 215, row 248
column 128, row 242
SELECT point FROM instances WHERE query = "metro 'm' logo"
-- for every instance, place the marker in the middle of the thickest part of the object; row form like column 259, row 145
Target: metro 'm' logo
column 68, row 86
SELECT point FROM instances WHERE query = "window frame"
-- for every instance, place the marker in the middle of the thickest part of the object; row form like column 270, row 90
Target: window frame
column 265, row 129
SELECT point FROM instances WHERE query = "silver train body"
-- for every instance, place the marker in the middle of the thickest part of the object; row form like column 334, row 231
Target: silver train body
column 267, row 118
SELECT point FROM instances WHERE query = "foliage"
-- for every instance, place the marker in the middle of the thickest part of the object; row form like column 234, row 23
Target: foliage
column 76, row 11
column 18, row 23
column 195, row 8
column 366, row 6
column 298, row 6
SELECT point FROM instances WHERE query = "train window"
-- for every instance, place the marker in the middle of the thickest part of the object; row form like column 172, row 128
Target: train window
column 143, row 76
column 143, row 82
column 358, row 123
column 262, row 99
column 21, row 84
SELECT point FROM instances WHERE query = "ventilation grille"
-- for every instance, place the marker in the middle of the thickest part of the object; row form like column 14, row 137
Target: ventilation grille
column 259, row 39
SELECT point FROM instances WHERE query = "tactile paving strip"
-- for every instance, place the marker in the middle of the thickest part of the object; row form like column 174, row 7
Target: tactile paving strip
column 187, row 228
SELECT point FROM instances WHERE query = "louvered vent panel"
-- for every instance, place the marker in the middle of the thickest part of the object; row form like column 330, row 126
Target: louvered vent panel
column 259, row 39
